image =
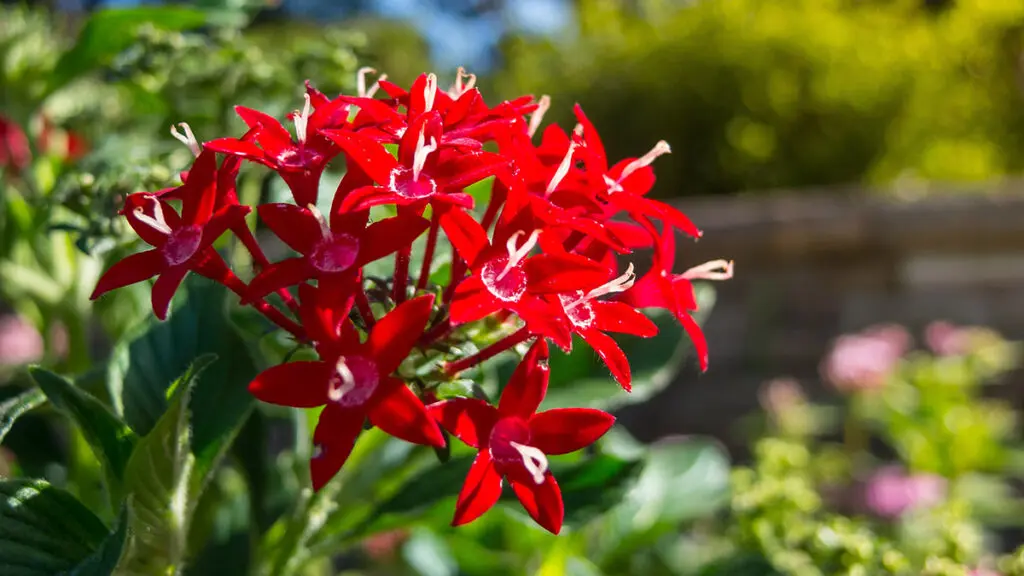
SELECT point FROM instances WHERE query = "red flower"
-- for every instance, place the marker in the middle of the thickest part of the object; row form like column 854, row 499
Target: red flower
column 591, row 318
column 424, row 171
column 181, row 244
column 660, row 288
column 301, row 161
column 353, row 379
column 505, row 277
column 328, row 250
column 514, row 442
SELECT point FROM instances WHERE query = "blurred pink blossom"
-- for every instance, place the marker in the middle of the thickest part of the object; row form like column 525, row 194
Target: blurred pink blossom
column 983, row 572
column 20, row 342
column 890, row 492
column 945, row 339
column 865, row 360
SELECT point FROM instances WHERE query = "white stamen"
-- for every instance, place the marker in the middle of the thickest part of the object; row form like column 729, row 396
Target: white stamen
column 659, row 149
column 188, row 138
column 429, row 92
column 156, row 221
column 419, row 157
column 620, row 284
column 516, row 255
column 458, row 89
column 713, row 270
column 302, row 121
column 535, row 462
column 325, row 227
column 578, row 130
column 563, row 169
column 348, row 381
column 361, row 80
column 376, row 85
column 538, row 115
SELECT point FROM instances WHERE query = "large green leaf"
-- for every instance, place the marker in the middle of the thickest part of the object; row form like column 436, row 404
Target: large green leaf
column 163, row 482
column 146, row 365
column 12, row 408
column 45, row 531
column 683, row 479
column 111, row 439
column 109, row 31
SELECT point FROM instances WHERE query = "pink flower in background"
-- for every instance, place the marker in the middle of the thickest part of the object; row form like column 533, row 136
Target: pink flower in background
column 945, row 339
column 983, row 572
column 865, row 360
column 891, row 492
column 20, row 342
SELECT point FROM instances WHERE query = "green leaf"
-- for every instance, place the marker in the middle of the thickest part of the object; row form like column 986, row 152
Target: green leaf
column 111, row 439
column 45, row 530
column 13, row 408
column 146, row 365
column 161, row 482
column 593, row 487
column 109, row 31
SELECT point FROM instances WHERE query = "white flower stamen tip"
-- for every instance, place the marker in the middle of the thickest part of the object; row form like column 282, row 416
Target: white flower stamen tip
column 460, row 88
column 429, row 92
column 660, row 149
column 325, row 227
column 713, row 270
column 157, row 221
column 562, row 171
column 302, row 121
column 535, row 462
column 361, row 80
column 516, row 255
column 543, row 104
column 423, row 150
column 345, row 378
column 188, row 138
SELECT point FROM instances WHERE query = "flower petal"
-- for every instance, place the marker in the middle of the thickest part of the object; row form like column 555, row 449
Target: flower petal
column 394, row 335
column 240, row 148
column 296, row 384
column 271, row 136
column 465, row 233
column 335, row 435
column 367, row 197
column 164, row 288
column 623, row 318
column 461, row 170
column 472, row 301
column 468, row 419
column 564, row 273
column 544, row 319
column 369, row 154
column 294, row 225
column 388, row 236
column 278, row 275
column 528, row 385
column 565, row 430
column 543, row 502
column 700, row 343
column 400, row 413
column 132, row 269
column 199, row 193
column 612, row 356
column 480, row 491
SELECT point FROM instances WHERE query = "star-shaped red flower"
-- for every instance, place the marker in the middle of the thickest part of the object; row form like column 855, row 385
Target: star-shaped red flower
column 352, row 378
column 514, row 441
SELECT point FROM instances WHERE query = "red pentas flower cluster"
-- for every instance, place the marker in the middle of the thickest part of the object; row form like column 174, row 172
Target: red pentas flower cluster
column 544, row 259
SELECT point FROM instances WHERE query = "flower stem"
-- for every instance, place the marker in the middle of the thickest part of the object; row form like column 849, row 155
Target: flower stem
column 428, row 255
column 458, row 270
column 491, row 351
column 401, row 274
column 273, row 314
column 363, row 305
column 437, row 332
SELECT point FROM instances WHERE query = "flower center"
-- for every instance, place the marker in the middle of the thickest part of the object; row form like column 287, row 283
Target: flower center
column 181, row 245
column 578, row 309
column 504, row 276
column 509, row 444
column 334, row 252
column 299, row 158
column 353, row 382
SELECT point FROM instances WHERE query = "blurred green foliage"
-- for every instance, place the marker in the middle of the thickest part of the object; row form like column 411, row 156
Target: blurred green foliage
column 756, row 94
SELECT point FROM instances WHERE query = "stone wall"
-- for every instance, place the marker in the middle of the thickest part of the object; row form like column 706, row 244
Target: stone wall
column 811, row 265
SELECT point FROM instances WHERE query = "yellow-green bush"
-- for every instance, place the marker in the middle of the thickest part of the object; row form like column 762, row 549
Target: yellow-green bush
column 777, row 93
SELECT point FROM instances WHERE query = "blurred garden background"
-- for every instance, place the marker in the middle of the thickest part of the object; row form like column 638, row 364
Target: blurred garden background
column 860, row 160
